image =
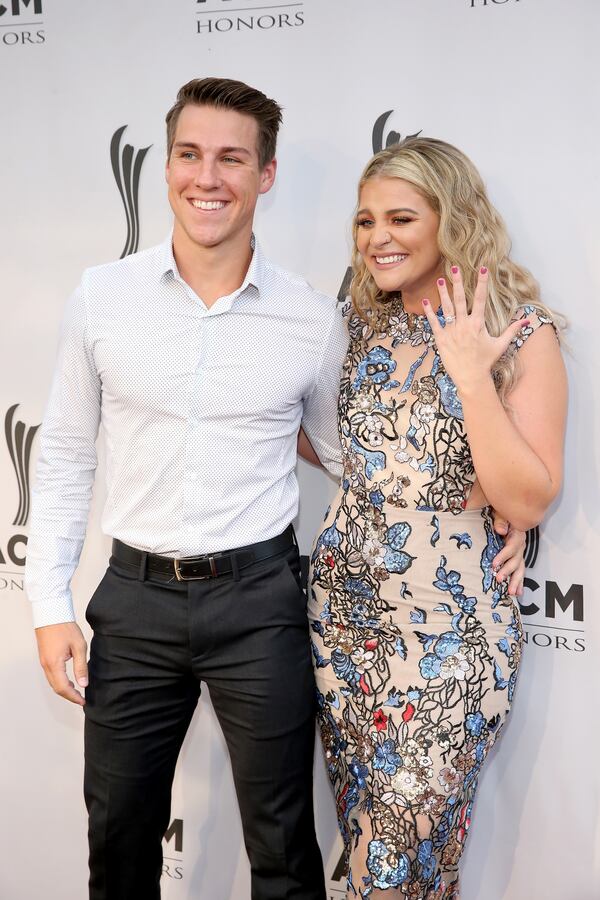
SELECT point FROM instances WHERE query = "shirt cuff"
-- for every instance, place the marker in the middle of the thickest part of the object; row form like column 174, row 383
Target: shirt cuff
column 52, row 612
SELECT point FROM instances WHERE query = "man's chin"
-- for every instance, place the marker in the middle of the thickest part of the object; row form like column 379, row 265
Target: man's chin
column 206, row 238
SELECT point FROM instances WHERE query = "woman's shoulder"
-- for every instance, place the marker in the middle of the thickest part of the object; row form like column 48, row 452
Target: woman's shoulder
column 358, row 328
column 536, row 317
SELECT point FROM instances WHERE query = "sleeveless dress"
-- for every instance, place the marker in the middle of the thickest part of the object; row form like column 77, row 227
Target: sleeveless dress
column 416, row 646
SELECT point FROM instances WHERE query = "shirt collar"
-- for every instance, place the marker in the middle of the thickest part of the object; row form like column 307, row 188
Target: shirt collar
column 255, row 275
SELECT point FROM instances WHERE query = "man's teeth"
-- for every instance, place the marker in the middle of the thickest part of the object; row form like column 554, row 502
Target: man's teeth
column 208, row 204
column 382, row 260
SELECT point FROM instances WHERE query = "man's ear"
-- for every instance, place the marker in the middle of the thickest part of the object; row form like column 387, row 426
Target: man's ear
column 267, row 177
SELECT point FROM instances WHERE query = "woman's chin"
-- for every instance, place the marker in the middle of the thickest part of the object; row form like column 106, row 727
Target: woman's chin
column 387, row 282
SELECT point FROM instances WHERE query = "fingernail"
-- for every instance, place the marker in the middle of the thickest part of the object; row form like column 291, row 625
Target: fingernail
column 82, row 682
column 483, row 270
column 525, row 323
column 425, row 302
column 454, row 270
column 441, row 282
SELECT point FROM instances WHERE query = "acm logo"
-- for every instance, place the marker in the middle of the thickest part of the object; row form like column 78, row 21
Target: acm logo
column 173, row 865
column 559, row 632
column 19, row 442
column 15, row 34
column 19, row 6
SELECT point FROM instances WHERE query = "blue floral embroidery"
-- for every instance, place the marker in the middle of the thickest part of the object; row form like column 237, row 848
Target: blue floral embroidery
column 386, row 757
column 475, row 723
column 426, row 859
column 376, row 367
column 384, row 873
column 462, row 540
column 449, row 398
column 448, row 644
column 360, row 772
column 390, row 743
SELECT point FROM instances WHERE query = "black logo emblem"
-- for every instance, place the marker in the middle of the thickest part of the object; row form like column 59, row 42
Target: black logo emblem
column 532, row 546
column 16, row 7
column 126, row 166
column 392, row 138
column 19, row 438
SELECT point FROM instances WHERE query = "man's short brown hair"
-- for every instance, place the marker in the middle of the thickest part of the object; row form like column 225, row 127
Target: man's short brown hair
column 224, row 93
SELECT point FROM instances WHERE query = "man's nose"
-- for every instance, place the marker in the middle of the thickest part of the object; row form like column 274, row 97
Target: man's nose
column 207, row 175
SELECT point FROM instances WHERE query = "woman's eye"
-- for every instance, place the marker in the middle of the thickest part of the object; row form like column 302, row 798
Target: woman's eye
column 363, row 223
column 400, row 220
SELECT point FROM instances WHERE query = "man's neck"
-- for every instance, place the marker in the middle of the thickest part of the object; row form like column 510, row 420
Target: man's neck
column 212, row 272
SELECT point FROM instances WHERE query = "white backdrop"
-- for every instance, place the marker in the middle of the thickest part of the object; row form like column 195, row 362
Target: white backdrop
column 512, row 82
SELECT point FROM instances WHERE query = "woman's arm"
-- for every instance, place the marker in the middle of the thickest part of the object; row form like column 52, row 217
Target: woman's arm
column 518, row 457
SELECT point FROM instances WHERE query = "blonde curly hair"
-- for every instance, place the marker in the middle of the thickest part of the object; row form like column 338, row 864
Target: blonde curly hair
column 471, row 234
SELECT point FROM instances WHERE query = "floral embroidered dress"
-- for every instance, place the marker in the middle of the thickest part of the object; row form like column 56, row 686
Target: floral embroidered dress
column 416, row 646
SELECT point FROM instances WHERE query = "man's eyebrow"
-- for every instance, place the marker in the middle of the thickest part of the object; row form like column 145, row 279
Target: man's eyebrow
column 182, row 144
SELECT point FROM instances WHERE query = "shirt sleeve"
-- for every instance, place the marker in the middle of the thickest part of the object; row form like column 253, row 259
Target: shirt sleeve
column 536, row 320
column 320, row 417
column 65, row 472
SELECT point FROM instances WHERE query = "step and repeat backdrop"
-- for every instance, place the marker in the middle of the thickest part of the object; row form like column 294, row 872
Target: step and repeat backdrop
column 84, row 90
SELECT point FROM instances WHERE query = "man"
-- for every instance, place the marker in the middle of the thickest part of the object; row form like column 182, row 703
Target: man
column 201, row 359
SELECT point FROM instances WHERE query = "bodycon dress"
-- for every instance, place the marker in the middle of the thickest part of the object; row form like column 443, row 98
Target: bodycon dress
column 416, row 645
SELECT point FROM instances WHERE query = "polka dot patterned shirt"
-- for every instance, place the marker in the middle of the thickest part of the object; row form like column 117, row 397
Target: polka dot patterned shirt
column 199, row 409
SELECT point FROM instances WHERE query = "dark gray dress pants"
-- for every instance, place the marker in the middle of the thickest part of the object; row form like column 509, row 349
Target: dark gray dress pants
column 154, row 642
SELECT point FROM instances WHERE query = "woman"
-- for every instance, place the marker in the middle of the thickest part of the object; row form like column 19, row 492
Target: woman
column 452, row 401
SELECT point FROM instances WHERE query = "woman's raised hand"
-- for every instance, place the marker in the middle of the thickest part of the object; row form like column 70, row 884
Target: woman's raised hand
column 467, row 349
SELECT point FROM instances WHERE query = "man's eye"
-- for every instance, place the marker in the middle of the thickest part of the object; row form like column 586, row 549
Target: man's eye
column 230, row 159
column 187, row 154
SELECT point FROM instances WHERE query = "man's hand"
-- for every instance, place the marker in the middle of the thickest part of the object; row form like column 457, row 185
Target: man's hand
column 56, row 645
column 509, row 563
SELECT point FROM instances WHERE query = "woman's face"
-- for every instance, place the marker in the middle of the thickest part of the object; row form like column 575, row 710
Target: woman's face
column 396, row 235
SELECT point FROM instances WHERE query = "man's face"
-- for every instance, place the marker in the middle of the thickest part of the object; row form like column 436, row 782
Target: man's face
column 214, row 176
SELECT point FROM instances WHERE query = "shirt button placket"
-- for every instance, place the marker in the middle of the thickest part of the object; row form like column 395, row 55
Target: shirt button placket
column 191, row 468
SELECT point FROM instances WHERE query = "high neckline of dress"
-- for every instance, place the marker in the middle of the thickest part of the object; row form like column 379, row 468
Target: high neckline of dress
column 414, row 321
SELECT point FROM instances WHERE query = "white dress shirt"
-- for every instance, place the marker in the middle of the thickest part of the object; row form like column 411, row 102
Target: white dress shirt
column 200, row 410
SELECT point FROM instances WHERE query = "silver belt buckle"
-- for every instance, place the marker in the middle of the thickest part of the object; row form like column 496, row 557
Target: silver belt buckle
column 180, row 577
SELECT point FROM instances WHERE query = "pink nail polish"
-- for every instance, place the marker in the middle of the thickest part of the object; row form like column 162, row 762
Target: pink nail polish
column 454, row 270
column 525, row 323
column 483, row 270
column 441, row 282
column 425, row 302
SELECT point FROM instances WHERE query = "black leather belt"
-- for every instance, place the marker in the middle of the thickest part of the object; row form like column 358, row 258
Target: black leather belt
column 194, row 568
